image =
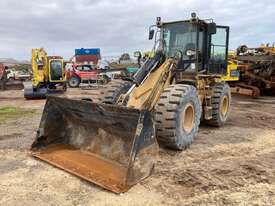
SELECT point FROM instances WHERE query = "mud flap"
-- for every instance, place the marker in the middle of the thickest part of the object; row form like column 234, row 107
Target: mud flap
column 113, row 147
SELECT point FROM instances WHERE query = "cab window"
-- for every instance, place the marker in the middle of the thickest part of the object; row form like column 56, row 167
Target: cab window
column 219, row 48
column 79, row 68
column 86, row 68
column 218, row 45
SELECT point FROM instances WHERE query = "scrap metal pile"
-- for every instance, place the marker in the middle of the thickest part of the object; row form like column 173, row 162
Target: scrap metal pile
column 257, row 70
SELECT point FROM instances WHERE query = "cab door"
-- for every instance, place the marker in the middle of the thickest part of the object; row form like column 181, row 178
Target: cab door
column 56, row 67
column 219, row 51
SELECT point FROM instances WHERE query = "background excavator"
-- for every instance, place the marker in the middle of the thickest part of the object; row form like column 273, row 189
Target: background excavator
column 48, row 75
column 114, row 143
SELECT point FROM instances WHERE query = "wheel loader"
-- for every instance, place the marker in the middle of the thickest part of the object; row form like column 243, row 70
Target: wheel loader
column 48, row 75
column 114, row 144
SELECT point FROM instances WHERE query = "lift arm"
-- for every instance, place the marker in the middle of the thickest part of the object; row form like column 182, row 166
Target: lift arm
column 147, row 94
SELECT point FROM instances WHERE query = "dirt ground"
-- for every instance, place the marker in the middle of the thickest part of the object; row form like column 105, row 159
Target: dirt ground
column 232, row 165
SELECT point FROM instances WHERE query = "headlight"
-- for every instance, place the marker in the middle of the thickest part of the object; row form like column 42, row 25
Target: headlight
column 190, row 52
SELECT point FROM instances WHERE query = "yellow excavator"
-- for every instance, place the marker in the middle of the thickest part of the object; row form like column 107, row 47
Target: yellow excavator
column 48, row 75
column 114, row 144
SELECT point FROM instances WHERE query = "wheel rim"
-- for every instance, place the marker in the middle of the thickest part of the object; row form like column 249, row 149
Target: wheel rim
column 224, row 106
column 73, row 82
column 188, row 118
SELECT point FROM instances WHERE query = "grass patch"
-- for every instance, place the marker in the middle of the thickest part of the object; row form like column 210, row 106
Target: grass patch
column 7, row 113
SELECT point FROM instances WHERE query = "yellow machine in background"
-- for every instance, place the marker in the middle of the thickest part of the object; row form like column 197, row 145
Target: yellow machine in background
column 48, row 75
column 148, row 54
column 232, row 73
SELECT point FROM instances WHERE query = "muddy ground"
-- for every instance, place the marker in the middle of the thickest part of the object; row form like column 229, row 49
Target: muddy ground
column 232, row 165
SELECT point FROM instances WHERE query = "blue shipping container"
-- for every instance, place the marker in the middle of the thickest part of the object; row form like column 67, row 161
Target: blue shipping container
column 82, row 51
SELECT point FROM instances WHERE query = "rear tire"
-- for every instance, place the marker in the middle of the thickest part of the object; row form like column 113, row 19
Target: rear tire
column 221, row 104
column 114, row 89
column 74, row 82
column 178, row 114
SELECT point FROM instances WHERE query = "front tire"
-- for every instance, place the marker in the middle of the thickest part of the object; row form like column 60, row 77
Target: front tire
column 178, row 114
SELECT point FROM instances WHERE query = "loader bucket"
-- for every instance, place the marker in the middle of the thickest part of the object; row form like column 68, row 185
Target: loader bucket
column 111, row 146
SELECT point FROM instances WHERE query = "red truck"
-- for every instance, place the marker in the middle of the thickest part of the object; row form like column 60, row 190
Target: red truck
column 82, row 74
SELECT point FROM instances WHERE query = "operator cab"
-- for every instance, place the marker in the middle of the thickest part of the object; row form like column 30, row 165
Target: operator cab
column 56, row 69
column 201, row 45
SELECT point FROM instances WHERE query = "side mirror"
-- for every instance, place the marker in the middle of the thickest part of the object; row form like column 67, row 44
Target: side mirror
column 151, row 34
column 137, row 54
column 212, row 28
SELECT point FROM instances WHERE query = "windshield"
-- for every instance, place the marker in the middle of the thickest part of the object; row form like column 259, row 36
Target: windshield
column 56, row 70
column 180, row 36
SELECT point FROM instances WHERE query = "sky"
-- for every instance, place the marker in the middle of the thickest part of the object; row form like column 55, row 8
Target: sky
column 115, row 26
